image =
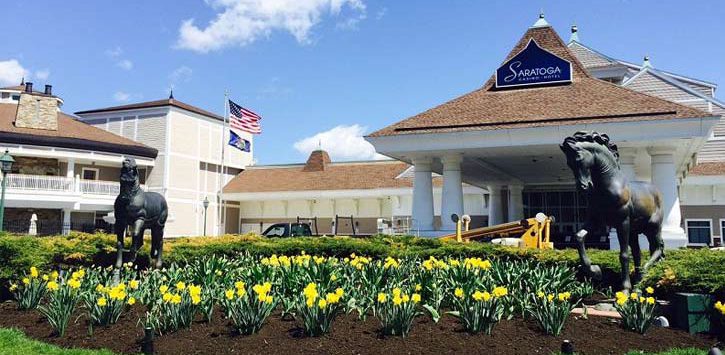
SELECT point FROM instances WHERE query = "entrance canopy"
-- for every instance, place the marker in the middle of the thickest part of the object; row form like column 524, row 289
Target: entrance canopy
column 509, row 134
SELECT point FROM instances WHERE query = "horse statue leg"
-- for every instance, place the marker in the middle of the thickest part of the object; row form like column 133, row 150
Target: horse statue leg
column 636, row 257
column 137, row 238
column 656, row 246
column 623, row 236
column 120, row 229
column 592, row 271
column 157, row 245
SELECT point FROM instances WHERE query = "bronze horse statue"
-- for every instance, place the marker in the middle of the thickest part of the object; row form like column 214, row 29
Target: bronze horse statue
column 138, row 210
column 632, row 207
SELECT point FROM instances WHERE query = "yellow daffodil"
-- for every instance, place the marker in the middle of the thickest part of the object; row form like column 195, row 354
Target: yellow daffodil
column 195, row 299
column 406, row 298
column 650, row 300
column 45, row 277
column 382, row 297
column 339, row 291
column 418, row 287
column 229, row 294
column 621, row 301
column 500, row 291
column 322, row 303
column 333, row 277
column 26, row 281
column 176, row 299
column 54, row 275
column 180, row 285
column 650, row 290
column 239, row 284
column 459, row 292
column 397, row 300
column 634, row 296
column 166, row 297
column 540, row 294
column 131, row 301
column 52, row 285
column 133, row 284
column 33, row 272
column 102, row 302
column 74, row 283
column 415, row 298
column 163, row 289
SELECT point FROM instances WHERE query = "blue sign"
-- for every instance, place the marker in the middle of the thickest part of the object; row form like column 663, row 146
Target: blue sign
column 533, row 66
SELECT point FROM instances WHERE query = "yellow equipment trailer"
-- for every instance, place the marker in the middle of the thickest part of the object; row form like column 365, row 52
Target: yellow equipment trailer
column 532, row 232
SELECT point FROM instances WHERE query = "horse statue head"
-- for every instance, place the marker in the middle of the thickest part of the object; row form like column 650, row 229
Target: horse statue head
column 589, row 154
column 129, row 177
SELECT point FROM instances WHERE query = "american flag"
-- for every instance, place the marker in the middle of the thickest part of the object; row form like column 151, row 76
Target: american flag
column 244, row 120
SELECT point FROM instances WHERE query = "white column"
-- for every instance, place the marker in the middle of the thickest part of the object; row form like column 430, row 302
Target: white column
column 422, row 195
column 516, row 203
column 664, row 177
column 66, row 221
column 626, row 162
column 452, row 199
column 495, row 210
column 70, row 170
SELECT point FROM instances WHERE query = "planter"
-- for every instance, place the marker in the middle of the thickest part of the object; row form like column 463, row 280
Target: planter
column 692, row 311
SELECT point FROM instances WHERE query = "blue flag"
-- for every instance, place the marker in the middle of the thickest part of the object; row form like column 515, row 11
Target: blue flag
column 238, row 142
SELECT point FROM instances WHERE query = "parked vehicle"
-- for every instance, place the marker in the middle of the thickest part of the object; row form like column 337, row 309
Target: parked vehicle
column 284, row 230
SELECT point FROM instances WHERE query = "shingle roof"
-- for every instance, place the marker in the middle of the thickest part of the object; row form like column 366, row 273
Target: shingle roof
column 335, row 176
column 71, row 133
column 708, row 169
column 151, row 104
column 584, row 100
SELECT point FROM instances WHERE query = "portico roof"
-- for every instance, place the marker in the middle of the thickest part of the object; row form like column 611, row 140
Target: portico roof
column 585, row 100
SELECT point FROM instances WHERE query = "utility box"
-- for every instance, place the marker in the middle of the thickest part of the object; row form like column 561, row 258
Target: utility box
column 692, row 312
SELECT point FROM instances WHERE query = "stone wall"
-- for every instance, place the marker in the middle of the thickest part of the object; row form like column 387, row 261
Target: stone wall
column 37, row 112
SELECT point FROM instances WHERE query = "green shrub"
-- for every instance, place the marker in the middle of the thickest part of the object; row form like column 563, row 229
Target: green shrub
column 682, row 270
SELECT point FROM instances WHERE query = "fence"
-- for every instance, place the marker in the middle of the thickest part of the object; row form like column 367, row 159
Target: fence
column 43, row 228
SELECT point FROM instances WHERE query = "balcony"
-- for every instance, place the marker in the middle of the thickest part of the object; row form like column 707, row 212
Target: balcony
column 40, row 184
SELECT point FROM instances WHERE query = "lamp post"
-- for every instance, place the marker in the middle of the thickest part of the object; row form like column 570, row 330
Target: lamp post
column 6, row 165
column 206, row 205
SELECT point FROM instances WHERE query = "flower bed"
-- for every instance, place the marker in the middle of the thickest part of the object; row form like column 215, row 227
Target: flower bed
column 701, row 271
column 472, row 303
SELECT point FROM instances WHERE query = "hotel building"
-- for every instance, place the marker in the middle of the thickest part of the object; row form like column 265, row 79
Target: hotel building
column 506, row 138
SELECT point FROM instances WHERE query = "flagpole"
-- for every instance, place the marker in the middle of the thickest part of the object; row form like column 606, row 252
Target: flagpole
column 221, row 209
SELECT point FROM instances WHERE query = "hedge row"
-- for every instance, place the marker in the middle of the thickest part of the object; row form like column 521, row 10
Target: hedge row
column 682, row 270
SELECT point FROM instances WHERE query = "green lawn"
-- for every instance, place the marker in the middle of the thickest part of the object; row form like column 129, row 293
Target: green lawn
column 14, row 342
column 689, row 351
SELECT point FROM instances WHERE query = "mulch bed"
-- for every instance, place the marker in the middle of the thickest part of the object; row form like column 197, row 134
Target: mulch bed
column 349, row 335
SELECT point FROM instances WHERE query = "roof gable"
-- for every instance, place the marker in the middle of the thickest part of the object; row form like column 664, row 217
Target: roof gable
column 584, row 100
column 151, row 104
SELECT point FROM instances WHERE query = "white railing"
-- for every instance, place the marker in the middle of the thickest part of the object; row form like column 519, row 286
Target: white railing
column 39, row 183
column 96, row 187
column 42, row 183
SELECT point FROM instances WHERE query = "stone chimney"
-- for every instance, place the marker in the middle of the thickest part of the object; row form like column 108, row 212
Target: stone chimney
column 317, row 161
column 37, row 111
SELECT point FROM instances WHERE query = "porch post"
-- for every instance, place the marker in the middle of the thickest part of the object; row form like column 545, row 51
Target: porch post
column 495, row 210
column 452, row 199
column 422, row 195
column 65, row 228
column 516, row 203
column 626, row 162
column 664, row 177
column 70, row 169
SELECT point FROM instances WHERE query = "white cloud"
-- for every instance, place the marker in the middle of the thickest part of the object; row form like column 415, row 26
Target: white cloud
column 241, row 22
column 42, row 74
column 114, row 52
column 11, row 72
column 180, row 75
column 125, row 64
column 341, row 142
column 121, row 96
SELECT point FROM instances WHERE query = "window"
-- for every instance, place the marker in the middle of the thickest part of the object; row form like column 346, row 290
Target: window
column 722, row 232
column 16, row 97
column 699, row 231
column 89, row 174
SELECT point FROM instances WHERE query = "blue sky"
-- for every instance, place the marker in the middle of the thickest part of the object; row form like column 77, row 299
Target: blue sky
column 324, row 70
